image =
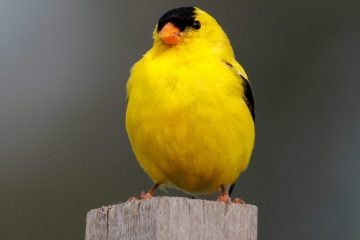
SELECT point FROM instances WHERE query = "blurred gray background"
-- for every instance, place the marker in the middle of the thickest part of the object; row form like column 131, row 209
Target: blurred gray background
column 63, row 145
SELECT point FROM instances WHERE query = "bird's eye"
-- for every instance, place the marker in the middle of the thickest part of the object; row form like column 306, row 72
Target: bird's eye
column 196, row 25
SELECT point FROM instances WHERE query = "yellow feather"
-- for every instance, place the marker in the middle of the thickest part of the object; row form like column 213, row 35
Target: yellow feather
column 187, row 121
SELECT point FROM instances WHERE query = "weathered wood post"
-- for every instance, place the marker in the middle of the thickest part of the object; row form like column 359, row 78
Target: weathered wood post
column 172, row 218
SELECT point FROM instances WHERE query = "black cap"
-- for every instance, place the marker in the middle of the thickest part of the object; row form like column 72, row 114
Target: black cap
column 182, row 18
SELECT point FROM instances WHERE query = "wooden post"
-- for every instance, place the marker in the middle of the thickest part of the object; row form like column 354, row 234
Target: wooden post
column 172, row 218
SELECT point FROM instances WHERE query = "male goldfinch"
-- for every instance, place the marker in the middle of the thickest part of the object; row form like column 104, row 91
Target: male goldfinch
column 190, row 113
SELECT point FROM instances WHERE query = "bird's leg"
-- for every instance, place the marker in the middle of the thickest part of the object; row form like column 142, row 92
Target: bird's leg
column 224, row 197
column 150, row 193
column 147, row 195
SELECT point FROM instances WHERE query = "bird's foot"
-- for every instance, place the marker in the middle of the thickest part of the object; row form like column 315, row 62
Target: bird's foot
column 143, row 195
column 146, row 196
column 239, row 201
column 132, row 199
column 224, row 198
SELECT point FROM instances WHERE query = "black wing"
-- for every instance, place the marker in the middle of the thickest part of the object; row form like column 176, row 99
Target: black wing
column 248, row 94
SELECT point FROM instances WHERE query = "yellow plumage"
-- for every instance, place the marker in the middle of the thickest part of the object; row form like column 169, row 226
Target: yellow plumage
column 187, row 120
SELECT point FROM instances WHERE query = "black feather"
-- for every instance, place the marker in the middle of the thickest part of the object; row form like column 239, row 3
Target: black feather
column 248, row 97
column 181, row 17
column 248, row 94
column 231, row 189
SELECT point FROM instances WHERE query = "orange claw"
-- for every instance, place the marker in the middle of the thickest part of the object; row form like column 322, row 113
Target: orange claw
column 239, row 201
column 132, row 199
column 146, row 196
column 224, row 198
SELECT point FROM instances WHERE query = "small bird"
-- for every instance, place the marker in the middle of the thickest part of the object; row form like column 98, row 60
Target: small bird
column 190, row 111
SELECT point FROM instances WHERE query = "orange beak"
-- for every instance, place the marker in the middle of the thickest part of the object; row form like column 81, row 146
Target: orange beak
column 170, row 34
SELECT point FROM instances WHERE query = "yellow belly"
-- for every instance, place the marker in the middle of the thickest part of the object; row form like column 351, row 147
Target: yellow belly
column 196, row 147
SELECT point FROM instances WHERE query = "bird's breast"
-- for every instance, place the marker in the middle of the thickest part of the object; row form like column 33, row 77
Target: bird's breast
column 189, row 127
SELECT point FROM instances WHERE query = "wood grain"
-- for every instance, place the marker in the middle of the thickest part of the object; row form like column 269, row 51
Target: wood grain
column 164, row 218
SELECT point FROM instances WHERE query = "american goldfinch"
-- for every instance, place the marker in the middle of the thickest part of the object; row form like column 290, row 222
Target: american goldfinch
column 190, row 113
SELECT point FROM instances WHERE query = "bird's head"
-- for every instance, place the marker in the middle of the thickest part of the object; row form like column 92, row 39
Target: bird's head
column 189, row 26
